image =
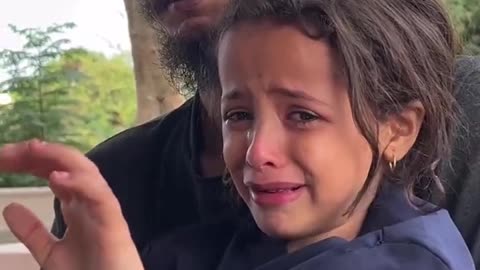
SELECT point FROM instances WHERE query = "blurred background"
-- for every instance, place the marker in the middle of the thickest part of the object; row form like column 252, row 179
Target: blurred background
column 80, row 71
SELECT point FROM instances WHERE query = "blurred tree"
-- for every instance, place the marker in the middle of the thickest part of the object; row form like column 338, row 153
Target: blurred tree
column 40, row 94
column 41, row 107
column 105, row 94
column 72, row 96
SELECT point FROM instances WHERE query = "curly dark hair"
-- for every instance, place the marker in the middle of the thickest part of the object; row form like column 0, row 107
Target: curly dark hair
column 391, row 52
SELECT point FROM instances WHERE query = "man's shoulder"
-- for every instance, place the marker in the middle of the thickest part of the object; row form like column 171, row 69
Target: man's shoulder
column 467, row 80
column 141, row 140
column 429, row 241
column 134, row 154
column 467, row 68
column 462, row 173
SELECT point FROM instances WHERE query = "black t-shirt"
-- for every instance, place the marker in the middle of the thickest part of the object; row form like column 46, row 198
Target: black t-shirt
column 462, row 176
column 152, row 169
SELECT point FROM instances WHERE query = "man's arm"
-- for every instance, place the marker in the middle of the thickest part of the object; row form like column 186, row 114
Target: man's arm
column 113, row 157
column 462, row 176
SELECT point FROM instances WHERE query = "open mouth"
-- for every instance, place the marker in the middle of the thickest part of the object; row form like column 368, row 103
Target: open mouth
column 279, row 190
column 276, row 194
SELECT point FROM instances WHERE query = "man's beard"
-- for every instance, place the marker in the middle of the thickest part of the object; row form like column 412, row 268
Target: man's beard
column 189, row 62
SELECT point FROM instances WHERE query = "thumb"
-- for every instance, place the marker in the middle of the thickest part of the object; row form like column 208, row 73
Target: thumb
column 30, row 231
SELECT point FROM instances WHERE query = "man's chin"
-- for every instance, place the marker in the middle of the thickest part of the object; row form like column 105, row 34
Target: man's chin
column 186, row 58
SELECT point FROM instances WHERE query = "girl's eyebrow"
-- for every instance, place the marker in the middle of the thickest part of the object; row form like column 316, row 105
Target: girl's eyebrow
column 237, row 94
column 297, row 94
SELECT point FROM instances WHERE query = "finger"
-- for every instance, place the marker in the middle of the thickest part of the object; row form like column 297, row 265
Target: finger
column 73, row 192
column 70, row 172
column 60, row 187
column 30, row 231
column 89, row 187
column 40, row 159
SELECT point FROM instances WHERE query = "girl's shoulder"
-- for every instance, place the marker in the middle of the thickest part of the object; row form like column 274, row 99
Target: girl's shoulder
column 427, row 242
column 395, row 235
column 410, row 233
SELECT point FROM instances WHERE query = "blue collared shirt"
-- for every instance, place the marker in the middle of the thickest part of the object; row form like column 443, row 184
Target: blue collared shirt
column 395, row 235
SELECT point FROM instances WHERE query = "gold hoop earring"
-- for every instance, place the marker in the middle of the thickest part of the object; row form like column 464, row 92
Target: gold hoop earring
column 393, row 163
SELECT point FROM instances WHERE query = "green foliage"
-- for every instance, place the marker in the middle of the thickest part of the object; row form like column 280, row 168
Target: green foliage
column 106, row 92
column 71, row 96
column 40, row 96
column 466, row 16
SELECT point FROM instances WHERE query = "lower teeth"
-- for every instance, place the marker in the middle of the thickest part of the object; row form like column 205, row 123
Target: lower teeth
column 280, row 190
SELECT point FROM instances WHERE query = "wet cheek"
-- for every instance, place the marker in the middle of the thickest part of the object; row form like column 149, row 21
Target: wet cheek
column 234, row 150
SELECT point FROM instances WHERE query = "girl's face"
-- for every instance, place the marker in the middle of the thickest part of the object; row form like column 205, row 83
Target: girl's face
column 291, row 144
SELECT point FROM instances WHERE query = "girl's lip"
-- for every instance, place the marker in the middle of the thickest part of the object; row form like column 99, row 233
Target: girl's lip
column 269, row 186
column 276, row 194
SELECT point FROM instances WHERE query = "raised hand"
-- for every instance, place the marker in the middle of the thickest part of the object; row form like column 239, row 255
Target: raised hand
column 97, row 237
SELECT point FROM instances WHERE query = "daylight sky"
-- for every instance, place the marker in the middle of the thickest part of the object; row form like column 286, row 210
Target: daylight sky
column 101, row 24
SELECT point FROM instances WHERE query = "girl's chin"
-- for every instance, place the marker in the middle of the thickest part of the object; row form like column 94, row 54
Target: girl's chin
column 279, row 231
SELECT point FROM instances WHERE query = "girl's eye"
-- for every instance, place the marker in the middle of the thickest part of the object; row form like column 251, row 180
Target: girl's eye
column 303, row 116
column 236, row 116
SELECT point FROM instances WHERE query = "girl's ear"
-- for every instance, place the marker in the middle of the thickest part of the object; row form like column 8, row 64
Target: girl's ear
column 399, row 132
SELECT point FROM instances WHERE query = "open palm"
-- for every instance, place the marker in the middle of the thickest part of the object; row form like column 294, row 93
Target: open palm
column 97, row 237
